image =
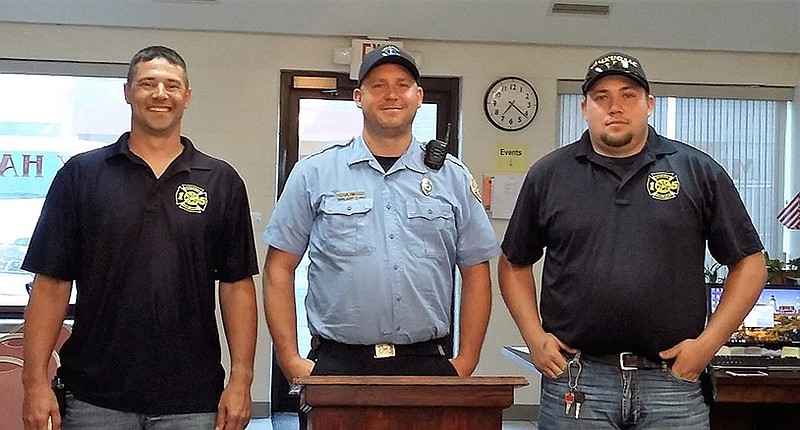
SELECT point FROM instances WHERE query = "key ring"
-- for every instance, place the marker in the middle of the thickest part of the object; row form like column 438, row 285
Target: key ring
column 575, row 361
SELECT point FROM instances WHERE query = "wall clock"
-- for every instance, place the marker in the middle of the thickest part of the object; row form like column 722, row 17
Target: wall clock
column 511, row 103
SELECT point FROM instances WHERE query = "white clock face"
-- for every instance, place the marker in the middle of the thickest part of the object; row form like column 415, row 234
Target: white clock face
column 511, row 103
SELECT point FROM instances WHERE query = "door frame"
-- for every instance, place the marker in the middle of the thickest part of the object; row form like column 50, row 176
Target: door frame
column 443, row 91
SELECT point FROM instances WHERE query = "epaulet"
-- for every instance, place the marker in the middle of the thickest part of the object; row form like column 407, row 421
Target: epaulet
column 330, row 146
column 451, row 158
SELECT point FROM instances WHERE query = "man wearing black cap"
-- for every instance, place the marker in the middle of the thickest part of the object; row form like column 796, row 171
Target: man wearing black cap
column 384, row 232
column 625, row 216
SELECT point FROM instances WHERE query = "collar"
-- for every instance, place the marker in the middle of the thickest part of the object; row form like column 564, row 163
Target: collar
column 655, row 147
column 411, row 159
column 190, row 158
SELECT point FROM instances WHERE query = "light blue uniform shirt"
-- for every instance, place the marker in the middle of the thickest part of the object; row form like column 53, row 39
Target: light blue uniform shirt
column 383, row 246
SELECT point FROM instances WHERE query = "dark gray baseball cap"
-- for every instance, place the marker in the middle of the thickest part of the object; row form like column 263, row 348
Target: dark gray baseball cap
column 387, row 54
column 615, row 63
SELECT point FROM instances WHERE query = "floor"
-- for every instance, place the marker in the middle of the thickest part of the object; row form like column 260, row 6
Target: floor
column 289, row 422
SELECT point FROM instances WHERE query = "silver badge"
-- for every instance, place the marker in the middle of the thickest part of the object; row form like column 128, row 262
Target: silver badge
column 426, row 186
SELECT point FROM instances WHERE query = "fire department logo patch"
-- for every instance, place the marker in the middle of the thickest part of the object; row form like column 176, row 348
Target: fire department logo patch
column 663, row 185
column 473, row 186
column 191, row 198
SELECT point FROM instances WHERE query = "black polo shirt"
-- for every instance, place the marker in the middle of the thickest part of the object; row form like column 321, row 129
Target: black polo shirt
column 144, row 253
column 624, row 257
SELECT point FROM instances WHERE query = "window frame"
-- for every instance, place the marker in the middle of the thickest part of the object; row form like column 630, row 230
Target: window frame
column 25, row 66
column 667, row 93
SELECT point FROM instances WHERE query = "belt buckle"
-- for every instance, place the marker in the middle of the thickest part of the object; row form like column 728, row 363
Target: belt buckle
column 384, row 350
column 622, row 361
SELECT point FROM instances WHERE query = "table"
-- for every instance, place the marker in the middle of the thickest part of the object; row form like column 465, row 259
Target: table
column 743, row 402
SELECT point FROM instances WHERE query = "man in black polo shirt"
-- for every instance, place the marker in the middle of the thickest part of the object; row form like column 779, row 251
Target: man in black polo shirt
column 144, row 227
column 625, row 215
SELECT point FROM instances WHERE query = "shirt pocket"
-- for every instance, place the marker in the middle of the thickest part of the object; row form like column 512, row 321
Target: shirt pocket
column 344, row 226
column 430, row 226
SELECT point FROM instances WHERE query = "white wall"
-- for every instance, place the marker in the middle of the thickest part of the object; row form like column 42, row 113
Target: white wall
column 234, row 111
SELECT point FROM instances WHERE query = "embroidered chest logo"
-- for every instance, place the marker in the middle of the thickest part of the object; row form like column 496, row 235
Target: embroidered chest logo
column 191, row 198
column 663, row 185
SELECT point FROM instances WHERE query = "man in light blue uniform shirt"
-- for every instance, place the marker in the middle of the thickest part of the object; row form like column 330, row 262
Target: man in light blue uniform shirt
column 384, row 233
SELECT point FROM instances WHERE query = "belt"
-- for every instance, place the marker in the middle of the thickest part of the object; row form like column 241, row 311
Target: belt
column 626, row 361
column 380, row 350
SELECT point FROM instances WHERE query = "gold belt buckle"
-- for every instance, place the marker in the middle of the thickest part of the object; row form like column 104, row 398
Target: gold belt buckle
column 384, row 350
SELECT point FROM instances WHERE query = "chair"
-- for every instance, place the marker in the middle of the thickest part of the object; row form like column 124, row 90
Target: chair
column 11, row 364
column 14, row 338
column 11, row 345
column 13, row 393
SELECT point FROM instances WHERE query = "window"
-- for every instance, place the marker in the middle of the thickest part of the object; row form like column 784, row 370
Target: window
column 744, row 128
column 49, row 111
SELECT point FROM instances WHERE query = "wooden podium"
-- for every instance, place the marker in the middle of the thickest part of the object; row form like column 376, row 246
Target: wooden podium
column 407, row 402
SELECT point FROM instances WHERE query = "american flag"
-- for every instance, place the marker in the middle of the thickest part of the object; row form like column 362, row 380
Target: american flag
column 790, row 215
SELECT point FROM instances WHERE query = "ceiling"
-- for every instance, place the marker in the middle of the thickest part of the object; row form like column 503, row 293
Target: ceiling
column 726, row 25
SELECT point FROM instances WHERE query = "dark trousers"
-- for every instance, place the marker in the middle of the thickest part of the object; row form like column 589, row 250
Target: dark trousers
column 332, row 359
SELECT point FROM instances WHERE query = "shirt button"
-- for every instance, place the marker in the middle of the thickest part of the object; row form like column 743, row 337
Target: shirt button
column 430, row 211
column 388, row 206
column 394, row 267
column 349, row 208
column 399, row 299
column 391, row 236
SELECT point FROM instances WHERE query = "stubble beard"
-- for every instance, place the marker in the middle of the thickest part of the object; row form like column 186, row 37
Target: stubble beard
column 616, row 141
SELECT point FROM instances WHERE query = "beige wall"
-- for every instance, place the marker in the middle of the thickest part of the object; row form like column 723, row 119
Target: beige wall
column 234, row 111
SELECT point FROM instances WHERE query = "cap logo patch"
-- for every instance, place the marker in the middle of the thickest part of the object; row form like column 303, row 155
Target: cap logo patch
column 389, row 50
column 609, row 61
column 663, row 185
column 191, row 198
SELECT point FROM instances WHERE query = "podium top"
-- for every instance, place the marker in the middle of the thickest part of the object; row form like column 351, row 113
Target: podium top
column 516, row 381
column 409, row 391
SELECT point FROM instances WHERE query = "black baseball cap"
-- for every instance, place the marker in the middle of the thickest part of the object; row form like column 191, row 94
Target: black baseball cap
column 387, row 54
column 615, row 63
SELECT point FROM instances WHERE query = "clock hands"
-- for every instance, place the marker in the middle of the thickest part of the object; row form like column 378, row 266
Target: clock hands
column 511, row 103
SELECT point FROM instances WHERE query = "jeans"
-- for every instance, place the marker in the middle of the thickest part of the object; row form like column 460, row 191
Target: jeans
column 84, row 416
column 630, row 399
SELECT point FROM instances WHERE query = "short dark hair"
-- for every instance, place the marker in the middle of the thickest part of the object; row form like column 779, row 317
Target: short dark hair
column 153, row 52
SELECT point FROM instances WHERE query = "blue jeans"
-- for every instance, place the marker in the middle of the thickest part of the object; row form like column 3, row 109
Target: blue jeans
column 630, row 399
column 84, row 416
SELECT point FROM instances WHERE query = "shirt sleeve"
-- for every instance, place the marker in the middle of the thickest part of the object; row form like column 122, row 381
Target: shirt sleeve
column 524, row 239
column 477, row 240
column 289, row 227
column 54, row 247
column 731, row 233
column 238, row 259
